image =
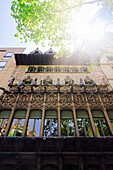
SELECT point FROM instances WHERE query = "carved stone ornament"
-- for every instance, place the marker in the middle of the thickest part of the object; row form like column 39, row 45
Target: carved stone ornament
column 9, row 100
column 87, row 80
column 37, row 101
column 51, row 101
column 65, row 89
column 79, row 100
column 14, row 88
column 51, row 88
column 23, row 101
column 38, row 89
column 78, row 88
column 103, row 88
column 27, row 80
column 48, row 80
column 94, row 101
column 91, row 88
column 68, row 80
column 25, row 88
column 65, row 100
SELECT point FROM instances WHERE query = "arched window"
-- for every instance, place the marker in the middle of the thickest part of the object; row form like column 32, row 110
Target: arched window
column 17, row 125
column 4, row 116
column 83, row 122
column 51, row 123
column 110, row 114
column 67, row 123
column 34, row 123
column 100, row 123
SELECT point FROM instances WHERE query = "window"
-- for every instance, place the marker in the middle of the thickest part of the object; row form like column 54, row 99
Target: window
column 57, row 69
column 67, row 123
column 40, row 69
column 31, row 69
column 110, row 114
column 110, row 58
column 100, row 123
column 8, row 55
column 4, row 116
column 2, row 64
column 34, row 123
column 84, row 126
column 17, row 125
column 51, row 123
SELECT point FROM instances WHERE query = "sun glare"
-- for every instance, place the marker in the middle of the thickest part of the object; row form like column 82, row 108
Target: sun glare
column 83, row 28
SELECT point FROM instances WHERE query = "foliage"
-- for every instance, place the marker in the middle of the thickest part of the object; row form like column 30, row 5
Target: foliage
column 50, row 127
column 48, row 21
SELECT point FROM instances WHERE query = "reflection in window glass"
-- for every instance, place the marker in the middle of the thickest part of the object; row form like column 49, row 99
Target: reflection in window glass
column 8, row 55
column 51, row 123
column 101, row 127
column 17, row 125
column 4, row 116
column 84, row 125
column 34, row 127
column 16, row 128
column 67, row 123
column 50, row 127
column 100, row 123
column 3, row 125
column 110, row 114
column 34, row 123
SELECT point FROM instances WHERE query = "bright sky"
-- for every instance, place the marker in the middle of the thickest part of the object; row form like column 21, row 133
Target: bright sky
column 8, row 29
column 80, row 26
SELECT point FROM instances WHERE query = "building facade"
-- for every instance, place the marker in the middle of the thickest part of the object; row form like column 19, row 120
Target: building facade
column 56, row 114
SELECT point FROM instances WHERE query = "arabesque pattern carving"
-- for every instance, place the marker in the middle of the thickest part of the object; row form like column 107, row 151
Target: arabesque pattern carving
column 107, row 100
column 51, row 100
column 65, row 100
column 9, row 100
column 94, row 101
column 23, row 100
column 83, row 96
column 37, row 100
column 79, row 100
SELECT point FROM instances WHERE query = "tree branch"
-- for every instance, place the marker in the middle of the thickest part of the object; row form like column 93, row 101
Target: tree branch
column 69, row 8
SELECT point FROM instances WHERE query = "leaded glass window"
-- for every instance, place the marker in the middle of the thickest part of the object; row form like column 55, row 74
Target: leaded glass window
column 67, row 123
column 17, row 124
column 4, row 116
column 100, row 123
column 51, row 123
column 83, row 121
column 34, row 123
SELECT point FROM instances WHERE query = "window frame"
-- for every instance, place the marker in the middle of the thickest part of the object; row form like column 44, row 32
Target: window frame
column 1, row 67
column 7, row 57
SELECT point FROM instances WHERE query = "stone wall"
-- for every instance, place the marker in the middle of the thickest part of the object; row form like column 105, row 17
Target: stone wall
column 96, row 74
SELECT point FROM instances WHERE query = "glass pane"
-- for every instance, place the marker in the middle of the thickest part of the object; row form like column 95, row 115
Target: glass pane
column 9, row 54
column 101, row 127
column 67, row 127
column 84, row 127
column 3, row 125
column 51, row 127
column 33, row 128
column 16, row 128
column 2, row 63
